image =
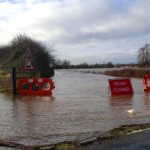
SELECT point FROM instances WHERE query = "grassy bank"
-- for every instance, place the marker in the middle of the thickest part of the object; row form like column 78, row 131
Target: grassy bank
column 115, row 133
column 137, row 73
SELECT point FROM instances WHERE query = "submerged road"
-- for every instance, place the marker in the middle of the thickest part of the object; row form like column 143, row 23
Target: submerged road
column 135, row 141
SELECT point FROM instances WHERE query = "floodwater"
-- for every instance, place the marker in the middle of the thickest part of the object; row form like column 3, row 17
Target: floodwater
column 80, row 109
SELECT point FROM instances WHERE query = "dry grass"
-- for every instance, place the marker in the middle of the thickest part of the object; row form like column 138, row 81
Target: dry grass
column 137, row 73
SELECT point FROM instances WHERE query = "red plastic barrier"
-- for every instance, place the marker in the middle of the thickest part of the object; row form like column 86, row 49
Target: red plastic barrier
column 146, row 81
column 120, row 86
column 35, row 86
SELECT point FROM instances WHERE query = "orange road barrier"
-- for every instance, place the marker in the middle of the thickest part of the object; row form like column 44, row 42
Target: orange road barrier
column 146, row 81
column 35, row 86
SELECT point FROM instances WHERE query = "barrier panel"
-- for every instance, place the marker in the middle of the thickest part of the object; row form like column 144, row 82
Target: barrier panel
column 120, row 86
column 146, row 81
column 35, row 86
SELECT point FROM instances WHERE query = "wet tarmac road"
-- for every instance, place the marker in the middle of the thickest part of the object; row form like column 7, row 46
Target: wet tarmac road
column 136, row 141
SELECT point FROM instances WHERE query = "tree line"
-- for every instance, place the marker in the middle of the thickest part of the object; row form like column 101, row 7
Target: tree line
column 66, row 64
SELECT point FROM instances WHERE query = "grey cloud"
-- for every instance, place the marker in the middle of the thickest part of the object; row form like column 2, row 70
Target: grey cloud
column 95, row 15
column 89, row 26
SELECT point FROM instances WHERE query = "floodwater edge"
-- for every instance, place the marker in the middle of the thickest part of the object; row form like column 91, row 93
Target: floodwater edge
column 124, row 130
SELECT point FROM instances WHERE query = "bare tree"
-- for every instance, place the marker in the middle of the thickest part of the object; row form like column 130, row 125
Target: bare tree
column 144, row 56
column 66, row 64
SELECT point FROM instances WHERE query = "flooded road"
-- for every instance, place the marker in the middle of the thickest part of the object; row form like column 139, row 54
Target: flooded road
column 81, row 108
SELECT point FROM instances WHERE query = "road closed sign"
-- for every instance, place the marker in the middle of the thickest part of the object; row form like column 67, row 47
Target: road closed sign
column 120, row 86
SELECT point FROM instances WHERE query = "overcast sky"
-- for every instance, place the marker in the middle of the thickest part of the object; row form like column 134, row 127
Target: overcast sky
column 92, row 31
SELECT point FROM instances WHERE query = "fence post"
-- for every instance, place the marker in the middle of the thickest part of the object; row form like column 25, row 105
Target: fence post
column 14, row 80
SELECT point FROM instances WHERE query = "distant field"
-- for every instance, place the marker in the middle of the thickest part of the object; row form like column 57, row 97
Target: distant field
column 118, row 72
column 3, row 74
column 137, row 73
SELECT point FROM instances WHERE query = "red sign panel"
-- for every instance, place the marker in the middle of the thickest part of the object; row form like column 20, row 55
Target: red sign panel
column 120, row 86
column 146, row 81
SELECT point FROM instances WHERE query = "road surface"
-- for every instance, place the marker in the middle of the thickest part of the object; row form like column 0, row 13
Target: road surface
column 136, row 141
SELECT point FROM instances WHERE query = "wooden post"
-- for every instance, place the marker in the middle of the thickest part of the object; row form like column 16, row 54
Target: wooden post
column 14, row 80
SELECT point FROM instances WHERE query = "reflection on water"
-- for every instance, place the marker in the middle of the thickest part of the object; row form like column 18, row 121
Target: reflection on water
column 121, row 100
column 79, row 109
